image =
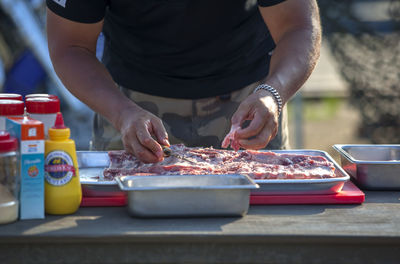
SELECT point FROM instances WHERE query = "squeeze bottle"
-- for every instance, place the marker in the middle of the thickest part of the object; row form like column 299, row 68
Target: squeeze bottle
column 63, row 193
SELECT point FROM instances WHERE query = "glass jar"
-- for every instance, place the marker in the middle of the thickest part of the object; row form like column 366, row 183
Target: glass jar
column 9, row 178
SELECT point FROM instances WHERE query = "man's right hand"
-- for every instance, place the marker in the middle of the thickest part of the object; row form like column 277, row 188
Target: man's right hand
column 72, row 47
column 143, row 134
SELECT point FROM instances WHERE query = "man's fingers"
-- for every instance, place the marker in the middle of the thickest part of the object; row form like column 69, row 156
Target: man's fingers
column 133, row 146
column 144, row 154
column 146, row 140
column 240, row 115
column 259, row 142
column 254, row 128
column 160, row 132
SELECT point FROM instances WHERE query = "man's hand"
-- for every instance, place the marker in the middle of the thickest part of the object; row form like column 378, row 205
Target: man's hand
column 295, row 28
column 72, row 47
column 262, row 111
column 142, row 133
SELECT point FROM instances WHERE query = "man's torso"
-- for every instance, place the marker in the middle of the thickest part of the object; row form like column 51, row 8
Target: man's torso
column 179, row 48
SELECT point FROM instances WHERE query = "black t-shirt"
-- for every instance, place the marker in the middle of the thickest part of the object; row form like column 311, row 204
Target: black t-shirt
column 179, row 48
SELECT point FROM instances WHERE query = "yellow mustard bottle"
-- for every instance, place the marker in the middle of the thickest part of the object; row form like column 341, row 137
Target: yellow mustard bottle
column 63, row 193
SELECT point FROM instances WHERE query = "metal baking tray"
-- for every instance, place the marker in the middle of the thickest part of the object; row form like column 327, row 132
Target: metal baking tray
column 304, row 186
column 91, row 165
column 187, row 195
column 372, row 166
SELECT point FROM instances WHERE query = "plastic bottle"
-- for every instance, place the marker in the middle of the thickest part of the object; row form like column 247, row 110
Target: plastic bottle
column 44, row 109
column 63, row 193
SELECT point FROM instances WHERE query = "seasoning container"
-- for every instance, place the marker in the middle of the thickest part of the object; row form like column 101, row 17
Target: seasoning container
column 9, row 183
column 11, row 96
column 30, row 135
column 63, row 193
column 13, row 108
column 44, row 109
column 41, row 95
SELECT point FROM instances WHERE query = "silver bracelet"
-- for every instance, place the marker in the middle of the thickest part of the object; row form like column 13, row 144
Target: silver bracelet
column 274, row 92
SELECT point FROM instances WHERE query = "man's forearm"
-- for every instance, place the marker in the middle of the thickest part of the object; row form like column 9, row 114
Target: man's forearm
column 296, row 29
column 293, row 60
column 87, row 79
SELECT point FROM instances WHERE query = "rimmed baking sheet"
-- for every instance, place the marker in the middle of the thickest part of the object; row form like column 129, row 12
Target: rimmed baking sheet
column 92, row 164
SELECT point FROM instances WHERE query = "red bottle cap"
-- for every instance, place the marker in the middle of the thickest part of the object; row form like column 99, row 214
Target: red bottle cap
column 41, row 95
column 7, row 143
column 11, row 107
column 11, row 96
column 59, row 123
column 42, row 105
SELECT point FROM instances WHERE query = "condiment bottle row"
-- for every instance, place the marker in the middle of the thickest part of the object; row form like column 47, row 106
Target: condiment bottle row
column 37, row 158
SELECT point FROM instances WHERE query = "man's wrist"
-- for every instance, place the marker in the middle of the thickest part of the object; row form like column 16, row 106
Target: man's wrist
column 274, row 93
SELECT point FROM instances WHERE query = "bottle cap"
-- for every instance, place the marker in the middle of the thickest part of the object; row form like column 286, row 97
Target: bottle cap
column 11, row 96
column 7, row 143
column 11, row 107
column 42, row 105
column 41, row 95
column 59, row 123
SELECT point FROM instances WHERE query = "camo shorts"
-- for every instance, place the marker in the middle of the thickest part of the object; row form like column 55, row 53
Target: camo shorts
column 195, row 123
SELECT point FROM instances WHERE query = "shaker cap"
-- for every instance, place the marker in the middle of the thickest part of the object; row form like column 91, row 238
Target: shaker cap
column 7, row 143
column 41, row 95
column 11, row 107
column 11, row 96
column 42, row 105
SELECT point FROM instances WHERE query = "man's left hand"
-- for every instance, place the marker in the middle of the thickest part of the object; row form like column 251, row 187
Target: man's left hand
column 261, row 110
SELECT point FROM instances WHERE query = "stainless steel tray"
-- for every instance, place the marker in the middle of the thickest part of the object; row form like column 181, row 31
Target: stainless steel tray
column 373, row 167
column 91, row 165
column 187, row 195
column 304, row 186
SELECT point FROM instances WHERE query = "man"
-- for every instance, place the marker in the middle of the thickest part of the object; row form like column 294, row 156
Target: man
column 185, row 70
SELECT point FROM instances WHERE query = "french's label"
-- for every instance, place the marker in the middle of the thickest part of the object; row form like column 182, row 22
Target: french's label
column 59, row 168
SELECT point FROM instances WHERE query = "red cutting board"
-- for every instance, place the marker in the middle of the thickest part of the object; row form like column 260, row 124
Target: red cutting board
column 103, row 201
column 350, row 194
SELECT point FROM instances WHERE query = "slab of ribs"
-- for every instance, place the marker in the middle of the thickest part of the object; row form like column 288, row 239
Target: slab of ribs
column 256, row 164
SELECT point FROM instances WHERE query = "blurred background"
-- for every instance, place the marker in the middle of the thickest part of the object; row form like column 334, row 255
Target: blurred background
column 352, row 97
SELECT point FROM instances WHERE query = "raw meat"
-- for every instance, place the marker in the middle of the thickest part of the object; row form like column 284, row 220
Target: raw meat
column 256, row 164
column 230, row 139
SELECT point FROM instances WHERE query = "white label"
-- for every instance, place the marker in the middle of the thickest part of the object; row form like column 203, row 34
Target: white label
column 32, row 146
column 32, row 132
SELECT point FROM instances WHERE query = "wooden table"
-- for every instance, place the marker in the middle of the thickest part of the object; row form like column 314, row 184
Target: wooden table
column 368, row 233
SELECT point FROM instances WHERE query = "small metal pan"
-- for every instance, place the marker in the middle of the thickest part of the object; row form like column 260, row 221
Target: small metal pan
column 187, row 195
column 373, row 167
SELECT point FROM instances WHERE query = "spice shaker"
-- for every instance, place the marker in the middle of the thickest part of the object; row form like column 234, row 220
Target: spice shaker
column 44, row 109
column 11, row 96
column 9, row 179
column 41, row 95
column 10, row 108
